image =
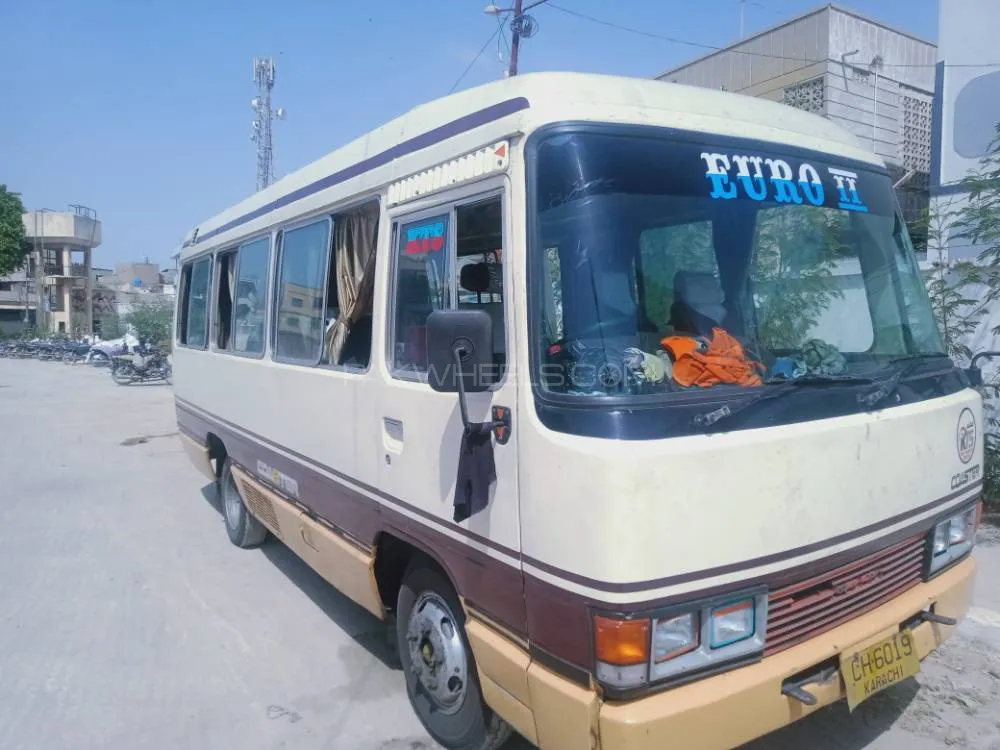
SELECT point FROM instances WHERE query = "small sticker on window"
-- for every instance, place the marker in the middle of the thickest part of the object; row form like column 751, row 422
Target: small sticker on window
column 424, row 238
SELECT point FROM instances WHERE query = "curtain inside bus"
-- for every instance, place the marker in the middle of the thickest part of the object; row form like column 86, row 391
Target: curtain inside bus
column 354, row 238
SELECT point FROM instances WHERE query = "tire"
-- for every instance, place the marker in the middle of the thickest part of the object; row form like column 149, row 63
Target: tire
column 455, row 716
column 244, row 530
column 121, row 374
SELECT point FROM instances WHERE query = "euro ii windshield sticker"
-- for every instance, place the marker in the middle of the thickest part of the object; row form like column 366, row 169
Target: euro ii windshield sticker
column 764, row 179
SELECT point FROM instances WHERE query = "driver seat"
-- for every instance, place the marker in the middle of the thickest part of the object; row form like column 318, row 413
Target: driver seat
column 698, row 305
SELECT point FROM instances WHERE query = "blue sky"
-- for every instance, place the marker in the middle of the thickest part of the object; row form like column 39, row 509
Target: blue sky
column 141, row 110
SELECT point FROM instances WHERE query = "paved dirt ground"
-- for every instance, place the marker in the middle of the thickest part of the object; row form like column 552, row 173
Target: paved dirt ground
column 127, row 620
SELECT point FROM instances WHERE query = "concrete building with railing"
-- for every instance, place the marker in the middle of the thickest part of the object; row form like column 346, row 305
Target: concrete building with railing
column 42, row 293
column 874, row 80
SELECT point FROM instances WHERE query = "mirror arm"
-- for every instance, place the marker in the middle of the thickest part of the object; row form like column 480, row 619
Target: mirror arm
column 457, row 354
column 975, row 375
column 983, row 355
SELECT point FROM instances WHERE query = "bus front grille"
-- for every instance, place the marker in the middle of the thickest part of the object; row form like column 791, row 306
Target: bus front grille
column 805, row 609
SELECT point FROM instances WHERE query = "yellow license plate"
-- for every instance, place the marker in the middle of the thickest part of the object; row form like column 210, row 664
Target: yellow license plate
column 878, row 666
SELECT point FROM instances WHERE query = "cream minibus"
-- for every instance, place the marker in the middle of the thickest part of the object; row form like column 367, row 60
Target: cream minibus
column 622, row 401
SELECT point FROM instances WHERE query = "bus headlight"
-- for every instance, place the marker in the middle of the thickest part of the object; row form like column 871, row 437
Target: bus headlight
column 732, row 623
column 673, row 636
column 953, row 538
column 704, row 636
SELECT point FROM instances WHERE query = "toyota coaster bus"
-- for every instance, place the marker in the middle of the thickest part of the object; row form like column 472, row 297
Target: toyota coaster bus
column 622, row 400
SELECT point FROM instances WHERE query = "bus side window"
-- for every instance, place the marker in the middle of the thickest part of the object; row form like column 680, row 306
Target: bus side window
column 479, row 241
column 197, row 287
column 250, row 294
column 298, row 320
column 350, row 287
column 422, row 285
column 225, row 274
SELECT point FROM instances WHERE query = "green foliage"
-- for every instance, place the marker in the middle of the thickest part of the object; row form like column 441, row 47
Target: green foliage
column 793, row 272
column 666, row 250
column 151, row 320
column 111, row 326
column 958, row 315
column 13, row 245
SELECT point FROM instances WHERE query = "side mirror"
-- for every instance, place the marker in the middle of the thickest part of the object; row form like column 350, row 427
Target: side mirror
column 974, row 373
column 460, row 351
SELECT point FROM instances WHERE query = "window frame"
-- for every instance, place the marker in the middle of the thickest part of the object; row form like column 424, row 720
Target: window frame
column 270, row 237
column 383, row 221
column 448, row 203
column 217, row 256
column 327, row 217
column 185, row 299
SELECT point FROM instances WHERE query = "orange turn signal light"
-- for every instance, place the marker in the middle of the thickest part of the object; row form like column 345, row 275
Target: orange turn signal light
column 621, row 642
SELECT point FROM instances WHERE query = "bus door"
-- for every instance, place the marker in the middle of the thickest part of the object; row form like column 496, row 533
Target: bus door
column 451, row 255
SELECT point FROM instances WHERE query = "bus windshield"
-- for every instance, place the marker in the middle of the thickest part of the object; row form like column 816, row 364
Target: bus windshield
column 675, row 263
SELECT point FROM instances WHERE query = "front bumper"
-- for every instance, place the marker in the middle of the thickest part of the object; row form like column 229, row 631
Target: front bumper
column 735, row 707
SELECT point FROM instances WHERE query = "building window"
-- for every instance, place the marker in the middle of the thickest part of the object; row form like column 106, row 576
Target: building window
column 807, row 96
column 6, row 286
column 916, row 142
column 297, row 302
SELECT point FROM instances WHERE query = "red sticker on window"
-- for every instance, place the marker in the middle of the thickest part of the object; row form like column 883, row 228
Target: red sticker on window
column 425, row 238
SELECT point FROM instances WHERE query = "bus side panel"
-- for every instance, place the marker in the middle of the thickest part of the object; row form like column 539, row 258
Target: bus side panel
column 485, row 582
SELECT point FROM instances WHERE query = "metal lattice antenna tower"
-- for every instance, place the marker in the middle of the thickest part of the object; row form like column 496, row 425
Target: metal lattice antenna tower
column 263, row 76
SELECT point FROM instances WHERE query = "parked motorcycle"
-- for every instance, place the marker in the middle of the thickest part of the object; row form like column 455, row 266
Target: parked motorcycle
column 144, row 363
column 101, row 353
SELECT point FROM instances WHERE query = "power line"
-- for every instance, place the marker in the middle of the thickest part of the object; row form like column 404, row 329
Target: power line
column 715, row 48
column 474, row 59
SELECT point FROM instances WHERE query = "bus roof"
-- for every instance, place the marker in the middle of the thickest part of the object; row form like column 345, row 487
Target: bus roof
column 530, row 100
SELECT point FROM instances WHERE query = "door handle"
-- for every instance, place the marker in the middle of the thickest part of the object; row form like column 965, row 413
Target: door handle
column 392, row 434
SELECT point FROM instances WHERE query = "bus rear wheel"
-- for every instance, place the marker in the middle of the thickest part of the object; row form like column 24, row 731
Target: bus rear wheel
column 244, row 530
column 439, row 667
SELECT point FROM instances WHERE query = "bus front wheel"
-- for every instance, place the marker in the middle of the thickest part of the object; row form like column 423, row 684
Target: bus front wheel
column 438, row 665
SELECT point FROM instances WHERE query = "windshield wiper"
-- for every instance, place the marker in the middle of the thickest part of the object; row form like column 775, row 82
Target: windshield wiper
column 779, row 388
column 889, row 386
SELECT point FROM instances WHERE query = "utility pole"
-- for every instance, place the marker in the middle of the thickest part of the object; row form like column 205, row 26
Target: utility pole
column 41, row 313
column 522, row 26
column 515, row 38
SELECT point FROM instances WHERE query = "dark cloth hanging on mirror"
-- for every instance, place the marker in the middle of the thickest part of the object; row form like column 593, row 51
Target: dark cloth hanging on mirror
column 476, row 470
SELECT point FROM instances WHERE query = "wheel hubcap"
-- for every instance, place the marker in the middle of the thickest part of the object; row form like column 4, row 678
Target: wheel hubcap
column 232, row 503
column 437, row 654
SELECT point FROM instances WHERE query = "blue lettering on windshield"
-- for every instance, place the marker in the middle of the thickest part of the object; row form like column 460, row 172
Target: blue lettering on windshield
column 847, row 189
column 761, row 179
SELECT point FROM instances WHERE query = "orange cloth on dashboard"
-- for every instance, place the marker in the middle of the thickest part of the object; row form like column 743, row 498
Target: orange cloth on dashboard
column 724, row 361
column 678, row 346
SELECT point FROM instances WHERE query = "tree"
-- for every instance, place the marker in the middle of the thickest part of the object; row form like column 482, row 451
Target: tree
column 13, row 244
column 957, row 315
column 151, row 320
column 793, row 273
column 977, row 223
